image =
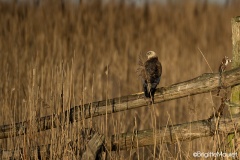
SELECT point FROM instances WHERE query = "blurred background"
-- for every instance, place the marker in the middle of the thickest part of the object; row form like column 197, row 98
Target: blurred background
column 89, row 51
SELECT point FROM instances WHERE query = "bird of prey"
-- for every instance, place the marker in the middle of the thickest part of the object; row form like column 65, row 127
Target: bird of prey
column 150, row 72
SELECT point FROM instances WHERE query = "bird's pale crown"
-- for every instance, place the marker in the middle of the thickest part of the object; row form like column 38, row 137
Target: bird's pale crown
column 151, row 54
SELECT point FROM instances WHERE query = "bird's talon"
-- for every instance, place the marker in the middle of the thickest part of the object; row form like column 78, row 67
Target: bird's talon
column 148, row 100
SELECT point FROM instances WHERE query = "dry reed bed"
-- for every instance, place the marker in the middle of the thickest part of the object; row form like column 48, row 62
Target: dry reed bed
column 89, row 52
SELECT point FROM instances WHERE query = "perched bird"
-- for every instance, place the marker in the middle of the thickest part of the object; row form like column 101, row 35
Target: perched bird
column 224, row 64
column 150, row 71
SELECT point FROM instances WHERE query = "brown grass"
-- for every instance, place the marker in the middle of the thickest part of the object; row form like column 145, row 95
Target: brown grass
column 90, row 51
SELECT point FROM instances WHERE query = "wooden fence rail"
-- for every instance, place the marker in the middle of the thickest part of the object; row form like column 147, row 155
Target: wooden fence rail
column 166, row 134
column 174, row 133
column 202, row 84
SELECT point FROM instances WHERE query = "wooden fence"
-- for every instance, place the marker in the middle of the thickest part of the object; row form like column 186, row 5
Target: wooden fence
column 205, row 83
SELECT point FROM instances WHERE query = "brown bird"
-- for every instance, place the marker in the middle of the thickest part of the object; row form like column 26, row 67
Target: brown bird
column 224, row 64
column 150, row 71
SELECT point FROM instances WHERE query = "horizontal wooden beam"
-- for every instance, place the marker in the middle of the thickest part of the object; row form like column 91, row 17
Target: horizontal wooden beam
column 166, row 134
column 174, row 133
column 202, row 84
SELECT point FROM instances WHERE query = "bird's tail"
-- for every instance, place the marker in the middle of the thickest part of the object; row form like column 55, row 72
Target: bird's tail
column 151, row 91
column 149, row 87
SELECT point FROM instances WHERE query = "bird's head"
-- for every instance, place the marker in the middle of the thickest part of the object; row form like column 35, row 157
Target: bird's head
column 151, row 54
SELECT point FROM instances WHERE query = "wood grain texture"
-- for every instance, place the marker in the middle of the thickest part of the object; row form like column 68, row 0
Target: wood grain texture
column 235, row 91
column 174, row 133
column 93, row 147
column 235, row 94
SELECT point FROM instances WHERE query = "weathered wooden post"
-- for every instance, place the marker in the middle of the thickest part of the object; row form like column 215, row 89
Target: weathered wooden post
column 235, row 93
column 93, row 147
